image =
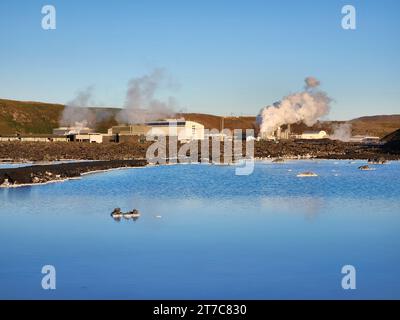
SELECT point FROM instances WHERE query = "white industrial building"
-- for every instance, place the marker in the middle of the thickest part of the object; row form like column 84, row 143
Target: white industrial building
column 65, row 131
column 35, row 138
column 80, row 134
column 312, row 135
column 282, row 133
column 184, row 130
column 365, row 139
column 89, row 137
column 9, row 138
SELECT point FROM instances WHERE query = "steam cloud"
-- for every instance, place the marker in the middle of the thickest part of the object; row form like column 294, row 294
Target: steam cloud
column 341, row 132
column 306, row 106
column 141, row 105
column 76, row 112
column 311, row 82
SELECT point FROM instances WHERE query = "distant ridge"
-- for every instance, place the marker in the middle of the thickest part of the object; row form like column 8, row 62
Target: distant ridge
column 28, row 117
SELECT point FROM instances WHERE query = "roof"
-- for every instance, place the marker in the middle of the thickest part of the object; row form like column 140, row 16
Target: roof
column 167, row 123
column 42, row 136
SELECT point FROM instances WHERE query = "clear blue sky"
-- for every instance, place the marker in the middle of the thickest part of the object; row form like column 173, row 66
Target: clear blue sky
column 227, row 56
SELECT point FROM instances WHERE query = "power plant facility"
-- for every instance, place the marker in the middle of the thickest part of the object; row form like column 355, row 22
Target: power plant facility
column 282, row 133
column 184, row 131
column 66, row 131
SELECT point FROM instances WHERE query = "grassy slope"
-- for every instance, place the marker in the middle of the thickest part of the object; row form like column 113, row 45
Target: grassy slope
column 28, row 117
column 376, row 125
column 37, row 117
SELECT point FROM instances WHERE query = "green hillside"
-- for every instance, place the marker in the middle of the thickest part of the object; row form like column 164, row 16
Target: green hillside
column 38, row 117
column 28, row 117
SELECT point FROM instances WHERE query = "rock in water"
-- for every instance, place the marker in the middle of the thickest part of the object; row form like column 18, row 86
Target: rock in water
column 307, row 174
column 365, row 168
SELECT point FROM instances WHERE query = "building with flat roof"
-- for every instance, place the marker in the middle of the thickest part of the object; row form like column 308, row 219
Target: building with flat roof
column 64, row 131
column 91, row 137
column 35, row 138
column 134, row 129
column 184, row 130
column 310, row 135
column 365, row 139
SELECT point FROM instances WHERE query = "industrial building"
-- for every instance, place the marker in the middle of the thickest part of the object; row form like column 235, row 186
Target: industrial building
column 185, row 131
column 134, row 129
column 92, row 138
column 313, row 135
column 365, row 139
column 35, row 138
column 65, row 131
column 283, row 132
column 8, row 138
column 80, row 134
column 129, row 133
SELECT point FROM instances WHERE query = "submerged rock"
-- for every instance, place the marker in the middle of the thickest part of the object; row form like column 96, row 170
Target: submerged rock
column 365, row 168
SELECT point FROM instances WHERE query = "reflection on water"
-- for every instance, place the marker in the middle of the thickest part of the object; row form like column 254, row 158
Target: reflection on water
column 206, row 233
column 308, row 206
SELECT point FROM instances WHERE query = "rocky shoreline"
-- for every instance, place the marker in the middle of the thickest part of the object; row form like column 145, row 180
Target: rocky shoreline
column 323, row 149
column 40, row 174
column 101, row 157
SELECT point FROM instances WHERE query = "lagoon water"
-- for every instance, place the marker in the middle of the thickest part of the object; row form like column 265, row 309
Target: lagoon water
column 220, row 236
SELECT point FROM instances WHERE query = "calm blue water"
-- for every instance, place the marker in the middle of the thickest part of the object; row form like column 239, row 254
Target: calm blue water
column 267, row 235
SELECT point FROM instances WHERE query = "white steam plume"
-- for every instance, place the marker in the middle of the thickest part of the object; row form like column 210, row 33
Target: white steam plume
column 306, row 106
column 311, row 82
column 141, row 105
column 341, row 132
column 76, row 112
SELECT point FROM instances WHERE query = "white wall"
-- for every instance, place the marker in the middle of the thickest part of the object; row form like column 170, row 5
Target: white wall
column 191, row 131
column 317, row 135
